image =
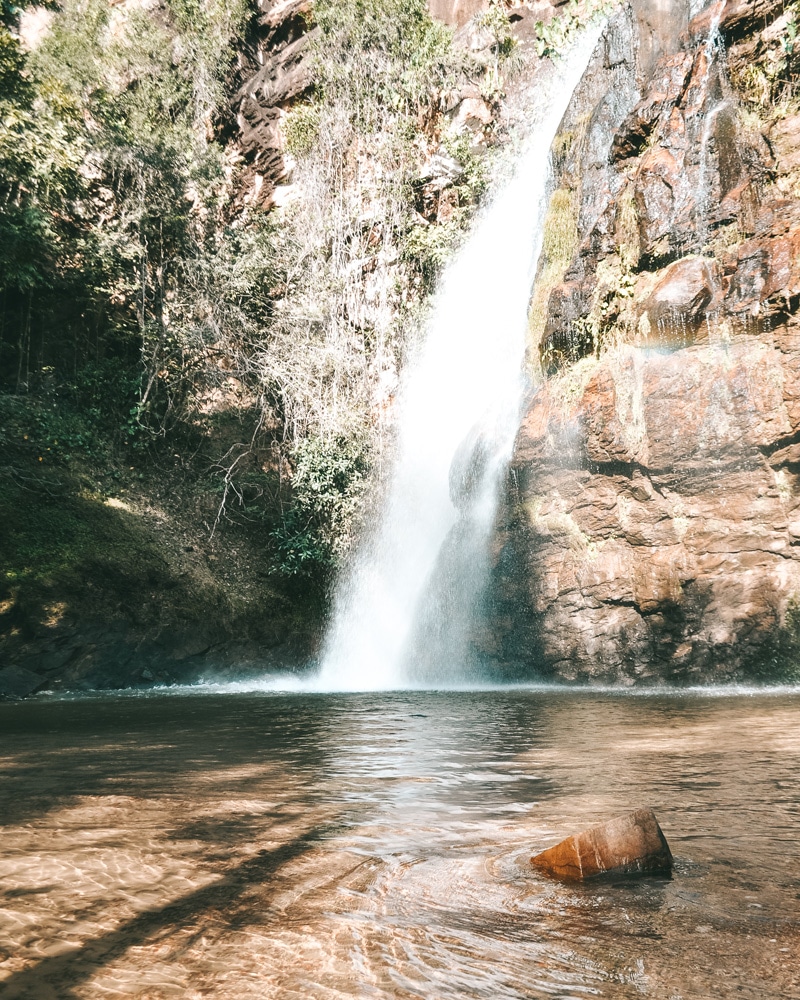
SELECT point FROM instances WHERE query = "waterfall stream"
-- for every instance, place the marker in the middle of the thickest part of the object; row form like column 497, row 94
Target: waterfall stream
column 402, row 615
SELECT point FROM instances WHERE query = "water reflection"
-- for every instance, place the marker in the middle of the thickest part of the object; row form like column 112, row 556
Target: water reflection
column 377, row 845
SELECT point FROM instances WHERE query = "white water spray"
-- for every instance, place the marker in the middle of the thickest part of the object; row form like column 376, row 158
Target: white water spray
column 714, row 53
column 403, row 614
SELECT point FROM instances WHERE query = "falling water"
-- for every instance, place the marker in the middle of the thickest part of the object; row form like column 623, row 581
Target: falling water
column 403, row 614
column 714, row 53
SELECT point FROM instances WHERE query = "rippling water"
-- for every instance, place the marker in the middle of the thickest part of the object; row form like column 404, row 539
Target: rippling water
column 296, row 846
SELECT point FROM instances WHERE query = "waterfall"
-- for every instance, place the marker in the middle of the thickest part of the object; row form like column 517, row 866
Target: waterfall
column 714, row 54
column 403, row 614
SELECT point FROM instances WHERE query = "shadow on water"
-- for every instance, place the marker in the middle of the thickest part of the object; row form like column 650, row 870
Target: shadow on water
column 377, row 845
column 237, row 897
column 53, row 752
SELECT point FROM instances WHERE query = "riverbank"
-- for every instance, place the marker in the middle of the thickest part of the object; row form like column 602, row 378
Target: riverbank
column 115, row 575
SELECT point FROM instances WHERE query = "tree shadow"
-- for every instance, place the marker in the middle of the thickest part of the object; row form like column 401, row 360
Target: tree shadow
column 55, row 754
column 57, row 977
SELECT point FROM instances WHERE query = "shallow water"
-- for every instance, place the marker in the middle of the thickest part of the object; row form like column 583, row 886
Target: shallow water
column 295, row 846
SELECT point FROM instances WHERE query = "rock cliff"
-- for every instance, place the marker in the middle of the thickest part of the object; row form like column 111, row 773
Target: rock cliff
column 651, row 523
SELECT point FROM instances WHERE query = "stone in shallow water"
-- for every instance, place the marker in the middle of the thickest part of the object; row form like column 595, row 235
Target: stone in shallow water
column 627, row 845
column 16, row 682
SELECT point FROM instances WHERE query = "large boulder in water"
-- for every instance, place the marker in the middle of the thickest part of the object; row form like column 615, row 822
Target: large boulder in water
column 17, row 682
column 632, row 844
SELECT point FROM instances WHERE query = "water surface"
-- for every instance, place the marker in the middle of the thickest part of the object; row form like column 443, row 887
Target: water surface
column 295, row 846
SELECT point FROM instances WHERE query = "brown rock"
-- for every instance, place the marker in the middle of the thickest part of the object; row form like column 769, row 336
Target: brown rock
column 650, row 525
column 474, row 114
column 679, row 300
column 270, row 80
column 738, row 17
column 657, row 182
column 766, row 279
column 456, row 12
column 784, row 137
column 665, row 89
column 17, row 682
column 644, row 534
column 660, row 28
column 632, row 844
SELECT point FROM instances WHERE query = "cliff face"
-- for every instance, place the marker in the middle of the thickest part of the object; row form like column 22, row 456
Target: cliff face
column 651, row 524
column 176, row 512
column 272, row 73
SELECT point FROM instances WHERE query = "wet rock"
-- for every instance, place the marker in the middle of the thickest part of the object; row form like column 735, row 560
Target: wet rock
column 784, row 138
column 602, row 102
column 644, row 532
column 658, row 187
column 679, row 300
column 766, row 278
column 17, row 682
column 664, row 91
column 472, row 114
column 661, row 24
column 737, row 17
column 632, row 844
column 648, row 526
column 676, row 170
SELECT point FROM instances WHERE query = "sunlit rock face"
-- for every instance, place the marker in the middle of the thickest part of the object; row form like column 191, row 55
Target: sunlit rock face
column 652, row 531
column 272, row 74
column 661, row 24
column 651, row 527
column 456, row 12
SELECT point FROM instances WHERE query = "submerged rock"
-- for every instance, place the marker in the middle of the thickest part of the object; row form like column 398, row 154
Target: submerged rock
column 632, row 844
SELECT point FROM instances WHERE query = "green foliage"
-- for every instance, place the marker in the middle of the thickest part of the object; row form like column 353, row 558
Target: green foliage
column 787, row 660
column 789, row 40
column 560, row 241
column 26, row 239
column 779, row 660
column 431, row 247
column 495, row 20
column 40, row 153
column 140, row 309
column 474, row 179
column 301, row 129
column 768, row 81
column 45, row 431
column 83, row 417
column 110, row 182
column 45, row 535
column 13, row 85
column 554, row 37
column 327, row 497
column 344, row 293
column 382, row 54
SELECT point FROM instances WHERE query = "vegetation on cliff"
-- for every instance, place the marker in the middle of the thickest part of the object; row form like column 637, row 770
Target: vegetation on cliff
column 159, row 327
